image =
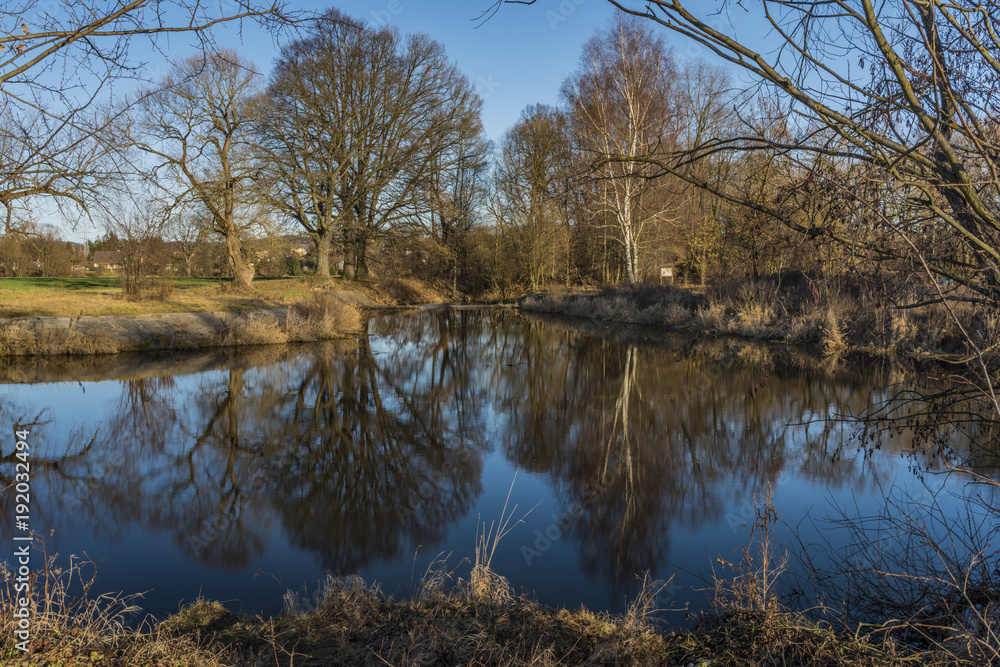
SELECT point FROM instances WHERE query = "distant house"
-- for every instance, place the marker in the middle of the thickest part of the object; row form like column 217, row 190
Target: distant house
column 107, row 259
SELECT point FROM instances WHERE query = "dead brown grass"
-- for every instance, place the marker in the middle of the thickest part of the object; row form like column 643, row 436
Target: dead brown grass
column 349, row 623
column 170, row 297
column 254, row 329
column 835, row 316
column 86, row 629
column 20, row 338
column 410, row 291
column 322, row 317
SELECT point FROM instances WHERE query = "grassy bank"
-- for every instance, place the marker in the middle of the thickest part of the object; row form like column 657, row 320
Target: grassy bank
column 352, row 624
column 322, row 317
column 277, row 311
column 833, row 316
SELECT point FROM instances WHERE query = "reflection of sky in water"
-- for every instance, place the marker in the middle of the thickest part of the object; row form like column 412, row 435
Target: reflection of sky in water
column 532, row 399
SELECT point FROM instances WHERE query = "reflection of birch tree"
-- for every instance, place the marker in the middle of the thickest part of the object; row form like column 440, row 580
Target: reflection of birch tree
column 642, row 437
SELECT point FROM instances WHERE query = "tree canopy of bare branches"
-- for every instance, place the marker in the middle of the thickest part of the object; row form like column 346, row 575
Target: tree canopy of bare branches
column 528, row 178
column 891, row 106
column 358, row 116
column 197, row 127
column 60, row 62
column 623, row 110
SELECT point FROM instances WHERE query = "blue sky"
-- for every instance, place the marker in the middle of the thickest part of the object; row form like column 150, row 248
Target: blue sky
column 518, row 57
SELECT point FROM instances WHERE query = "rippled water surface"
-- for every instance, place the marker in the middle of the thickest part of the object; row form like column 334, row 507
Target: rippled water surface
column 236, row 476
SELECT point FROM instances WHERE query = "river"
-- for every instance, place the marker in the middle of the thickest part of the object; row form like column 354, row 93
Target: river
column 239, row 475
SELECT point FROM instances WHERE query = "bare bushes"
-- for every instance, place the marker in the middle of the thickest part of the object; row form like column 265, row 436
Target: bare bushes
column 923, row 570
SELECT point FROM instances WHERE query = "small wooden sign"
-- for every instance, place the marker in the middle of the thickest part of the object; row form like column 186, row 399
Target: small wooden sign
column 666, row 273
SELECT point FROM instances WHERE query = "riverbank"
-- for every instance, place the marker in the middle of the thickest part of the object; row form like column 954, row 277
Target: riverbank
column 97, row 297
column 352, row 624
column 830, row 319
column 322, row 318
column 81, row 316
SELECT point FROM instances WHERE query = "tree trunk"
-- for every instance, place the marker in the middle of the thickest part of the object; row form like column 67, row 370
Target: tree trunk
column 350, row 254
column 242, row 270
column 322, row 241
column 361, row 254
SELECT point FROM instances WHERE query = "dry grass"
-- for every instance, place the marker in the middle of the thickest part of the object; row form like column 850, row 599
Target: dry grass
column 478, row 622
column 751, row 628
column 410, row 291
column 86, row 629
column 648, row 306
column 254, row 329
column 69, row 297
column 321, row 318
column 835, row 315
column 21, row 338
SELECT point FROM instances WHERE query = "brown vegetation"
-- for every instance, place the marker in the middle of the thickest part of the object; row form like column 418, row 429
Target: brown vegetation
column 320, row 319
column 21, row 338
column 354, row 625
column 478, row 621
column 832, row 314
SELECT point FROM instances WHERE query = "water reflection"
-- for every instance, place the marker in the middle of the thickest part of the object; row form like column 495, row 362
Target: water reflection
column 358, row 453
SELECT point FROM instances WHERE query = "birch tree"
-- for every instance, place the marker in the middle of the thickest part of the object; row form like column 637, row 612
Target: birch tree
column 620, row 100
column 909, row 114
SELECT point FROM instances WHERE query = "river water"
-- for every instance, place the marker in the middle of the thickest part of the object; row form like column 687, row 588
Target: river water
column 239, row 475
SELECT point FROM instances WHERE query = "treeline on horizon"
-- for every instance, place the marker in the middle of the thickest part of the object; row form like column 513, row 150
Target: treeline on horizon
column 370, row 143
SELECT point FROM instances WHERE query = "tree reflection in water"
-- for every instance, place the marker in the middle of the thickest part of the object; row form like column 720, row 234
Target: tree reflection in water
column 358, row 453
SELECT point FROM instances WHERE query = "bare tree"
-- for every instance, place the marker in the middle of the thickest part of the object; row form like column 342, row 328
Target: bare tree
column 908, row 112
column 186, row 232
column 135, row 228
column 528, row 179
column 455, row 189
column 621, row 100
column 59, row 63
column 198, row 129
column 358, row 118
